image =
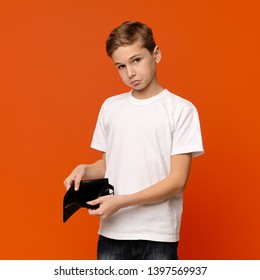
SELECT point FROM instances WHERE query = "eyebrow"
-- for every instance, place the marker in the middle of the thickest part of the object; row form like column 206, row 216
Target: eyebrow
column 131, row 58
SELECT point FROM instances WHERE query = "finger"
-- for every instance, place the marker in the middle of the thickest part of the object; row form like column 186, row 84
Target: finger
column 95, row 201
column 67, row 183
column 77, row 181
column 93, row 212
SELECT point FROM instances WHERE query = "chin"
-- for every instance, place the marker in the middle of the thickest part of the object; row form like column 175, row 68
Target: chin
column 139, row 87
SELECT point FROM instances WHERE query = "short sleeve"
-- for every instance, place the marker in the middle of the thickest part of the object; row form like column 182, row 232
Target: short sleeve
column 99, row 139
column 187, row 134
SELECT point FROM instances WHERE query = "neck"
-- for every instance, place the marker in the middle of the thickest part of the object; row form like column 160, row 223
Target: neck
column 147, row 92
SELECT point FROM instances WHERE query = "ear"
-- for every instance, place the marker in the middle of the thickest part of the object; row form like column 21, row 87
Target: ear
column 157, row 54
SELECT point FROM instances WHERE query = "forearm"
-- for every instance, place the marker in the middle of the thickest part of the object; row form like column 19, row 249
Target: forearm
column 92, row 171
column 95, row 170
column 165, row 189
column 159, row 192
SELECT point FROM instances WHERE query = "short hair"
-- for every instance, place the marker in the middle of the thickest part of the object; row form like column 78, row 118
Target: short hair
column 128, row 33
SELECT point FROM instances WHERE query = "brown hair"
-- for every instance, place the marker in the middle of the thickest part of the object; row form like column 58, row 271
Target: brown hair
column 128, row 33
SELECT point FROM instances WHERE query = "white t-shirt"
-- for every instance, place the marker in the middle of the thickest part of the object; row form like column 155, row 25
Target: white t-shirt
column 139, row 138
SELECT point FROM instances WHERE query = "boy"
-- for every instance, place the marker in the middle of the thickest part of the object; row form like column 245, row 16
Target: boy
column 148, row 137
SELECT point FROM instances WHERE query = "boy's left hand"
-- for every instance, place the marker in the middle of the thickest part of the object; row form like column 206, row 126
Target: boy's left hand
column 109, row 204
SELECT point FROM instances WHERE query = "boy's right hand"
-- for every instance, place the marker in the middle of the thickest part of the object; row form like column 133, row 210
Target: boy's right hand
column 75, row 176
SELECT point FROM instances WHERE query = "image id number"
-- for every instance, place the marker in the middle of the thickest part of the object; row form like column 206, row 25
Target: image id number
column 166, row 270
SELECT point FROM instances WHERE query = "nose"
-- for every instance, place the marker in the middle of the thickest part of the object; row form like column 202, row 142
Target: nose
column 130, row 71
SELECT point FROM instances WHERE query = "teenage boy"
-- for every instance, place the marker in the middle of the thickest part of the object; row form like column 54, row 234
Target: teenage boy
column 148, row 137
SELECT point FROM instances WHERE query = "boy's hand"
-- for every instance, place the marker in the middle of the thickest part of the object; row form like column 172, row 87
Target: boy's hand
column 109, row 204
column 75, row 176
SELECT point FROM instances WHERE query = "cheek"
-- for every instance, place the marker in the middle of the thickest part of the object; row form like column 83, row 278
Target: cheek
column 148, row 72
column 148, row 69
column 123, row 76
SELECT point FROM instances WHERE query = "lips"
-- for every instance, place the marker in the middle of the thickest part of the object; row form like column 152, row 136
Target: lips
column 136, row 82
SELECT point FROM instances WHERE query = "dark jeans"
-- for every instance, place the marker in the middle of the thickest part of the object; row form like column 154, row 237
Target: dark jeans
column 111, row 249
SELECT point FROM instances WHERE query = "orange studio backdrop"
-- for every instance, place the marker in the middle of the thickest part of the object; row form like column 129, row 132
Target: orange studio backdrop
column 54, row 76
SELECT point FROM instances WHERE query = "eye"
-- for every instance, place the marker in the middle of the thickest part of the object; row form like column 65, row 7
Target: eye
column 136, row 60
column 120, row 67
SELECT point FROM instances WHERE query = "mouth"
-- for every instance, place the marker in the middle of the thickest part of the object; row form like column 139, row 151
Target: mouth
column 136, row 82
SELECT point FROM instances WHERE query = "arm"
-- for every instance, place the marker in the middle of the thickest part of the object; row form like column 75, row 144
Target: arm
column 171, row 186
column 95, row 170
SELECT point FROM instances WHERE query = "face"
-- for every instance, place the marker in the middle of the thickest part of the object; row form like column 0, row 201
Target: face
column 136, row 65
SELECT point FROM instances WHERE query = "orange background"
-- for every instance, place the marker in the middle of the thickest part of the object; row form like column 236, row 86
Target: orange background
column 54, row 75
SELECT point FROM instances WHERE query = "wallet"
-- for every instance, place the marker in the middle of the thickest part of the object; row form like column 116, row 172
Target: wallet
column 88, row 190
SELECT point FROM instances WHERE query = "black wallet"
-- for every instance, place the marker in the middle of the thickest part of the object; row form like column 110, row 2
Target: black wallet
column 88, row 190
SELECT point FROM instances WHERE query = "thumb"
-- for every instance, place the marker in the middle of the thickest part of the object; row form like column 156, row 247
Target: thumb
column 94, row 202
